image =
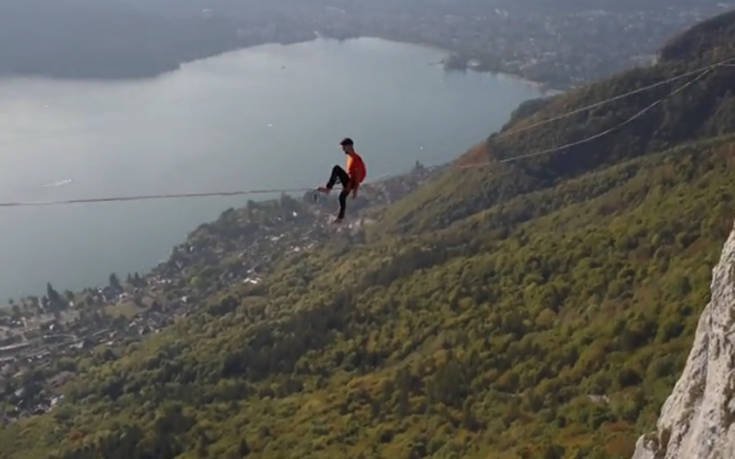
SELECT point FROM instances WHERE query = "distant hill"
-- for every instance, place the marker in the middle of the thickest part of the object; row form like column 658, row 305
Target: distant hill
column 137, row 38
column 705, row 110
column 118, row 39
column 541, row 309
column 713, row 38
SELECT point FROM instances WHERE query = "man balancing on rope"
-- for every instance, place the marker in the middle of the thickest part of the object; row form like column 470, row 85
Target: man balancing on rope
column 350, row 179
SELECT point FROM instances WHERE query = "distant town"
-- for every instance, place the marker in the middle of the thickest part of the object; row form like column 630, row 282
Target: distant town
column 42, row 338
column 560, row 49
column 560, row 44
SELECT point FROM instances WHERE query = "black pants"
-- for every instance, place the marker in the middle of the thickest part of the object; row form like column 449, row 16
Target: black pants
column 339, row 174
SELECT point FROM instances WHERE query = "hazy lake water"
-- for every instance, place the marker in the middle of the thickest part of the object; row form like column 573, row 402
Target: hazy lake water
column 265, row 117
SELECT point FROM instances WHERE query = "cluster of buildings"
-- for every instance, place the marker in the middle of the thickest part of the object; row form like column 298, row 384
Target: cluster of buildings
column 559, row 47
column 36, row 347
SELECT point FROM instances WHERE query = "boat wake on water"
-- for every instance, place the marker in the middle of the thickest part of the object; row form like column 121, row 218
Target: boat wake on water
column 58, row 183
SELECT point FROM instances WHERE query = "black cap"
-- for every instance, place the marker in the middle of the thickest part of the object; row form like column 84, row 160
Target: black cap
column 347, row 141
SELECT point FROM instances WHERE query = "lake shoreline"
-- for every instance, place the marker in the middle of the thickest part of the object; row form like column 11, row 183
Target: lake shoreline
column 547, row 88
column 240, row 120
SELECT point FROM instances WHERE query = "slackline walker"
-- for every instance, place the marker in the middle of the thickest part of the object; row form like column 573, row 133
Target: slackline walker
column 356, row 173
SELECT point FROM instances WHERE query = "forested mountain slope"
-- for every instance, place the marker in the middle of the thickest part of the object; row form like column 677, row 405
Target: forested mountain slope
column 702, row 110
column 543, row 308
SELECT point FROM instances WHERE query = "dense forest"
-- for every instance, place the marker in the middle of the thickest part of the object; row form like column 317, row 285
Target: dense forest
column 542, row 308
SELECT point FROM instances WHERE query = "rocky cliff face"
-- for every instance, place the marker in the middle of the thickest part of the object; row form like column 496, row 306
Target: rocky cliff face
column 698, row 418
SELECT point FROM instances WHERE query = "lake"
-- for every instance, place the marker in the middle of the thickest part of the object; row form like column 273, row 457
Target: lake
column 263, row 117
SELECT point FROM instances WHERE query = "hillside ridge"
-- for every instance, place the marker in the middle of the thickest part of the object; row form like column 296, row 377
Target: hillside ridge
column 539, row 309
